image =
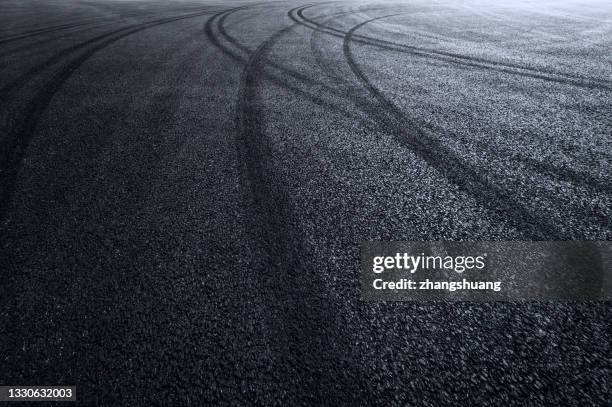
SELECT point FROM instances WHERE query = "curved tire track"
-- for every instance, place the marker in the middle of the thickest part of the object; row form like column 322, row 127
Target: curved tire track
column 577, row 178
column 215, row 23
column 440, row 157
column 459, row 59
column 26, row 77
column 306, row 330
column 24, row 125
column 48, row 30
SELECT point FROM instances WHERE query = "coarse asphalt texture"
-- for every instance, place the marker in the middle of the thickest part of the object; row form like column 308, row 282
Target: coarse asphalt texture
column 184, row 186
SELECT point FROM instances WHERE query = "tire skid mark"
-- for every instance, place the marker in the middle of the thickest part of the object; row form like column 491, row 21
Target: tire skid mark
column 246, row 50
column 33, row 45
column 284, row 70
column 560, row 172
column 441, row 158
column 77, row 23
column 459, row 59
column 7, row 89
column 305, row 325
column 214, row 23
column 318, row 55
column 22, row 127
column 61, row 27
column 208, row 30
column 97, row 23
column 233, row 41
column 48, row 30
column 577, row 178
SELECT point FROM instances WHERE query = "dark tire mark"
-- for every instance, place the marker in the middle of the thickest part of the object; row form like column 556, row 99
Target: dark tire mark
column 438, row 156
column 40, row 31
column 208, row 30
column 215, row 23
column 29, row 75
column 303, row 328
column 578, row 178
column 33, row 45
column 100, row 22
column 233, row 41
column 459, row 59
column 319, row 57
column 66, row 26
column 24, row 125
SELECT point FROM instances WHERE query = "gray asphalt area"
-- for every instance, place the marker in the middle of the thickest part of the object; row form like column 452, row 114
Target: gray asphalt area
column 184, row 186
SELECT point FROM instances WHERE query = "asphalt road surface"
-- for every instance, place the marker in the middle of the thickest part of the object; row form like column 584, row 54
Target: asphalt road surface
column 184, row 185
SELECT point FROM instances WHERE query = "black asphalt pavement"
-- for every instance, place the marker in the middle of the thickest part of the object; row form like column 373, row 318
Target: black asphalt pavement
column 184, row 186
